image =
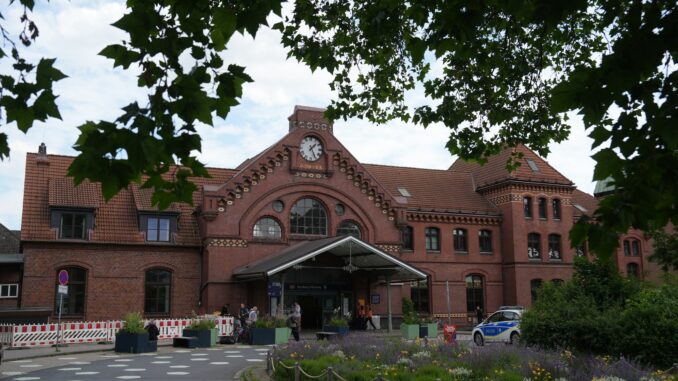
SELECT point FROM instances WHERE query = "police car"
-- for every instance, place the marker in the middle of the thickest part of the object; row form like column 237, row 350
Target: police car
column 502, row 326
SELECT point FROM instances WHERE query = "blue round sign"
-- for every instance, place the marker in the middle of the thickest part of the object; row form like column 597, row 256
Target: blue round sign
column 63, row 277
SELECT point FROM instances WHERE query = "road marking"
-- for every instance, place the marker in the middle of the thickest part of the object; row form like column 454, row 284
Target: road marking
column 163, row 357
column 177, row 373
column 30, row 366
column 86, row 373
column 181, row 351
column 231, row 351
column 180, row 366
column 213, row 349
column 22, row 361
column 135, row 370
column 128, row 377
column 235, row 356
column 255, row 360
column 117, row 365
column 26, row 378
column 219, row 363
column 199, row 359
column 12, row 373
column 160, row 362
column 123, row 360
column 80, row 362
column 198, row 354
column 262, row 350
column 70, row 369
column 67, row 358
column 263, row 354
column 243, row 346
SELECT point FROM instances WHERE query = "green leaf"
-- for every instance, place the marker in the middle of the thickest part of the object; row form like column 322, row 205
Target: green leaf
column 607, row 164
column 23, row 117
column 4, row 147
column 218, row 39
column 46, row 74
column 225, row 21
column 120, row 55
column 45, row 106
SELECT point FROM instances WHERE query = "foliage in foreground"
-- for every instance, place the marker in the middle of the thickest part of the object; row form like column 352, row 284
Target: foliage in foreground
column 133, row 323
column 363, row 357
column 600, row 311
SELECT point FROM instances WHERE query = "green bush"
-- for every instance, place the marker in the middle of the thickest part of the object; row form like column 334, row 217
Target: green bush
column 133, row 323
column 409, row 315
column 270, row 322
column 202, row 325
column 338, row 322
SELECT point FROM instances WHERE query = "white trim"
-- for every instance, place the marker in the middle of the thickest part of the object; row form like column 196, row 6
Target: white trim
column 338, row 243
column 9, row 287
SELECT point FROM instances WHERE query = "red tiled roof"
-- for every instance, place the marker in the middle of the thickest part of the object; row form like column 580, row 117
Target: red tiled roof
column 585, row 201
column 63, row 192
column 116, row 220
column 142, row 200
column 432, row 189
column 494, row 171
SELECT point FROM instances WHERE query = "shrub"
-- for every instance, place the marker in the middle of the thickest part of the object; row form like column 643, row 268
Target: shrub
column 270, row 322
column 202, row 325
column 409, row 316
column 133, row 323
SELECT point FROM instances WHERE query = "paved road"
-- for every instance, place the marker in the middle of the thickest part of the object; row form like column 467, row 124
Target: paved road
column 205, row 364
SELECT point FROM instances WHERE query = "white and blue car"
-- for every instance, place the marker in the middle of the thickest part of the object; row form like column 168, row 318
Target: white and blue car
column 502, row 326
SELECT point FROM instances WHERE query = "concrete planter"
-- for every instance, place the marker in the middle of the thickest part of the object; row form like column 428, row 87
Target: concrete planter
column 337, row 329
column 214, row 336
column 134, row 343
column 409, row 331
column 268, row 336
column 429, row 330
column 204, row 336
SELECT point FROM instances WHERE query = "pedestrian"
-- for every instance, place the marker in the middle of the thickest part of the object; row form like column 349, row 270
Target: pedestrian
column 362, row 318
column 243, row 314
column 252, row 318
column 479, row 314
column 369, row 317
column 294, row 323
column 224, row 309
column 152, row 330
column 297, row 309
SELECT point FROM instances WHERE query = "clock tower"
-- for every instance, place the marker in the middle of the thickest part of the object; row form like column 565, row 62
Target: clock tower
column 311, row 118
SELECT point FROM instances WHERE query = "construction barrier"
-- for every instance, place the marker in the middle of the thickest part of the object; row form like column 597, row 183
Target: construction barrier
column 38, row 335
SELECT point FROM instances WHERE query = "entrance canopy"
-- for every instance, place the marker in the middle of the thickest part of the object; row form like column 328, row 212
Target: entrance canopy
column 354, row 254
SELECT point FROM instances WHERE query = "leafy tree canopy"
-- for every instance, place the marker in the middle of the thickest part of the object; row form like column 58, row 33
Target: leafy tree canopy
column 498, row 73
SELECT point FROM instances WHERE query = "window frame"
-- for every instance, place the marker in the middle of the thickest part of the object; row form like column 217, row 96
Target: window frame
column 420, row 298
column 527, row 207
column 477, row 297
column 432, row 238
column 158, row 230
column 534, row 286
column 73, row 216
column 635, row 248
column 9, row 287
column 555, row 245
column 542, row 208
column 460, row 240
column 635, row 273
column 487, row 239
column 534, row 238
column 301, row 224
column 627, row 248
column 158, row 284
column 407, row 232
column 556, row 209
column 267, row 237
column 355, row 227
column 73, row 281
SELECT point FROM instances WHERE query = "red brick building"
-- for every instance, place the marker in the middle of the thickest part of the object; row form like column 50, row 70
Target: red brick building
column 272, row 229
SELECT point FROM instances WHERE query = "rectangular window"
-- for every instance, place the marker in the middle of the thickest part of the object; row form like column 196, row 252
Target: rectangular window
column 533, row 246
column 542, row 208
column 635, row 248
column 460, row 240
column 8, row 291
column 419, row 296
column 554, row 246
column 556, row 209
column 527, row 206
column 627, row 248
column 432, row 239
column 485, row 241
column 408, row 243
column 73, row 226
column 158, row 229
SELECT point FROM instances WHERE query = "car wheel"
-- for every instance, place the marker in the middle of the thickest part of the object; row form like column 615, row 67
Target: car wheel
column 478, row 339
column 515, row 338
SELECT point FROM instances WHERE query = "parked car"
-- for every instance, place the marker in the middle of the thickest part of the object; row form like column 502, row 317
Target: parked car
column 502, row 326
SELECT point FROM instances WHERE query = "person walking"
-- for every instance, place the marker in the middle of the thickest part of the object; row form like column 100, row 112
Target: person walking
column 294, row 323
column 479, row 314
column 243, row 314
column 153, row 331
column 369, row 317
column 253, row 316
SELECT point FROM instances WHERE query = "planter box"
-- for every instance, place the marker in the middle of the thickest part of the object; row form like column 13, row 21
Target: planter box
column 214, row 336
column 134, row 343
column 204, row 336
column 429, row 330
column 409, row 331
column 334, row 328
column 268, row 336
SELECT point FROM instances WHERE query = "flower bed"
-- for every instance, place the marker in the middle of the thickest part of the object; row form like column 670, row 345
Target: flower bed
column 398, row 360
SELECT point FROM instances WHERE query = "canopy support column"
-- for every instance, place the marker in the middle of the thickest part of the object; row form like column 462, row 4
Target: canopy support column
column 388, row 305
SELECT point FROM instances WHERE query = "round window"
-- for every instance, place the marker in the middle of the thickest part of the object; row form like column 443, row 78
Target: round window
column 278, row 206
column 339, row 209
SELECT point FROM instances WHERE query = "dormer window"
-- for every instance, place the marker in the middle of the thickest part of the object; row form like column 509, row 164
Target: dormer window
column 158, row 229
column 73, row 226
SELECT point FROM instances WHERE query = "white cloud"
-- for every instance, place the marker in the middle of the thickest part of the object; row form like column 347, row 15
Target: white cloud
column 75, row 32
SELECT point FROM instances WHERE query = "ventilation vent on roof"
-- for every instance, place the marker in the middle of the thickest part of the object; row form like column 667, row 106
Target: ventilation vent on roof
column 532, row 165
column 404, row 192
column 581, row 208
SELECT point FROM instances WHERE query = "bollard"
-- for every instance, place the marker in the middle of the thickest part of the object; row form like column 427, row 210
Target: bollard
column 330, row 376
column 297, row 371
column 268, row 363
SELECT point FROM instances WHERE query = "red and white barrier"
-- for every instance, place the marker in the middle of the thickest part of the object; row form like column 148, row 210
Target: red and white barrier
column 38, row 335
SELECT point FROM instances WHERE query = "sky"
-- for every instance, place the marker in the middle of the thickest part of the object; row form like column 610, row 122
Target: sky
column 75, row 31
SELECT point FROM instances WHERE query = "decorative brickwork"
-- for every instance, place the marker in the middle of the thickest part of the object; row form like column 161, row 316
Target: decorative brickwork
column 226, row 242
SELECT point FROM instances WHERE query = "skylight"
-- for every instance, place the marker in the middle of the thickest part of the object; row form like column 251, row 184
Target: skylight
column 404, row 192
column 581, row 208
column 532, row 165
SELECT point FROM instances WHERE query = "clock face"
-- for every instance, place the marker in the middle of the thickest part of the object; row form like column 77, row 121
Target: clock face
column 311, row 148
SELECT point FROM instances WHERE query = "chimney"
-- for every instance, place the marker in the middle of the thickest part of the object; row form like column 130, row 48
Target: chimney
column 42, row 154
column 311, row 118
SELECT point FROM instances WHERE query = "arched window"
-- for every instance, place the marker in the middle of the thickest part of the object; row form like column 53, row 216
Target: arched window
column 542, row 207
column 635, row 247
column 555, row 205
column 632, row 270
column 554, row 246
column 407, row 237
column 432, row 239
column 74, row 302
column 534, row 246
column 527, row 206
column 474, row 292
column 627, row 247
column 485, row 241
column 460, row 243
column 157, row 287
column 534, row 286
column 308, row 216
column 349, row 228
column 267, row 228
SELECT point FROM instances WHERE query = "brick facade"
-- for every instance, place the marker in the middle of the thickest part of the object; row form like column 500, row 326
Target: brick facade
column 216, row 236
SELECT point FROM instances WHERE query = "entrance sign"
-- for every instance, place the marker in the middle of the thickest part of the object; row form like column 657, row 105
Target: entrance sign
column 63, row 289
column 376, row 298
column 63, row 277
